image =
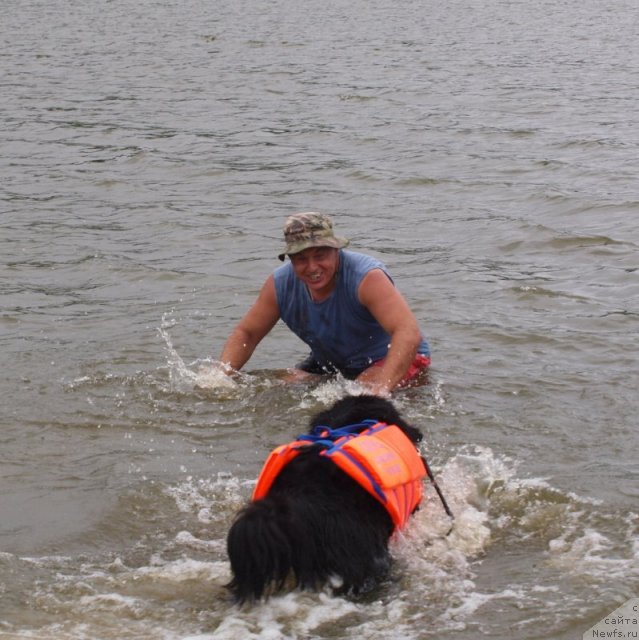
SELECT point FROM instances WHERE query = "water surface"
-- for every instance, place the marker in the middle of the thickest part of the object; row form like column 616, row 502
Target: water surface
column 485, row 151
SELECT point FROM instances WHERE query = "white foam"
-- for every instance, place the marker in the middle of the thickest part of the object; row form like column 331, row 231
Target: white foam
column 225, row 491
column 213, row 376
column 330, row 390
column 183, row 570
column 187, row 539
column 292, row 615
column 589, row 553
column 202, row 373
column 112, row 602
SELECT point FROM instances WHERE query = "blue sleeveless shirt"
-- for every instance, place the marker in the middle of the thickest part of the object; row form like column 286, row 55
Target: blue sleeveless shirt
column 342, row 334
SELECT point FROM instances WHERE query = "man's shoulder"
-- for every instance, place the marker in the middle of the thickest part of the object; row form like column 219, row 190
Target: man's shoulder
column 361, row 261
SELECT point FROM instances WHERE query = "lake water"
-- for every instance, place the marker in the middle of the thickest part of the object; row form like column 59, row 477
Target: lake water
column 486, row 151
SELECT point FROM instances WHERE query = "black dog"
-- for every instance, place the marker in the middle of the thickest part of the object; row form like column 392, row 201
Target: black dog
column 316, row 524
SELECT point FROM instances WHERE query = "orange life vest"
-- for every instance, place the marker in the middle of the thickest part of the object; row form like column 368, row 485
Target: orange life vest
column 380, row 458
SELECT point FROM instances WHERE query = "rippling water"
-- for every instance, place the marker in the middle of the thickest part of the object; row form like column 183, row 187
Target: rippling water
column 486, row 151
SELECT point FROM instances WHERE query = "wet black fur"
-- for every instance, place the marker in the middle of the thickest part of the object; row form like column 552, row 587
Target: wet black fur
column 316, row 522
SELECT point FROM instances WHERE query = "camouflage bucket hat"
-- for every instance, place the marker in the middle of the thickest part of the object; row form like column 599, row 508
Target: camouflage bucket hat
column 304, row 230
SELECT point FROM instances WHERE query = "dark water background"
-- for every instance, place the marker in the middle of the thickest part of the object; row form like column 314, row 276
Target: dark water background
column 485, row 151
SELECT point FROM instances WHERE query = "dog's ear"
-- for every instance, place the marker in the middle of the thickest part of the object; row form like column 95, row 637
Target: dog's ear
column 412, row 433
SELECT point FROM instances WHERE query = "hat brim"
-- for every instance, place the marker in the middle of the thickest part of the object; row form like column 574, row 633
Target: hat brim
column 295, row 247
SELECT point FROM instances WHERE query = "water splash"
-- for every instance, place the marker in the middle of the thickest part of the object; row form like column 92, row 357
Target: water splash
column 174, row 588
column 202, row 373
column 329, row 391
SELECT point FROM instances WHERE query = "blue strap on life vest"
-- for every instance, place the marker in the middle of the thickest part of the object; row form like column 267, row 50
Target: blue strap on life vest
column 328, row 438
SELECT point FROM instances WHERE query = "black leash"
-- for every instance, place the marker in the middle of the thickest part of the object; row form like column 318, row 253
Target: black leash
column 439, row 491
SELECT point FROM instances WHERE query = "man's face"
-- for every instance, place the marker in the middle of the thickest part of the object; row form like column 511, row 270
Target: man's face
column 316, row 268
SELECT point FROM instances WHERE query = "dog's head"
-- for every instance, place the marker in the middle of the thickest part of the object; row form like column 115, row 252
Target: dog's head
column 355, row 409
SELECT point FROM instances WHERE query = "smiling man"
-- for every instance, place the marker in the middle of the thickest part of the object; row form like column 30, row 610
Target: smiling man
column 342, row 304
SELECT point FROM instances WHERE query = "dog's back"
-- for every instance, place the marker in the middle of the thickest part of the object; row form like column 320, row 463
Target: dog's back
column 315, row 524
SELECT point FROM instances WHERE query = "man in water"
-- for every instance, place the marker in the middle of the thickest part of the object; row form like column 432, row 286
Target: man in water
column 342, row 304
